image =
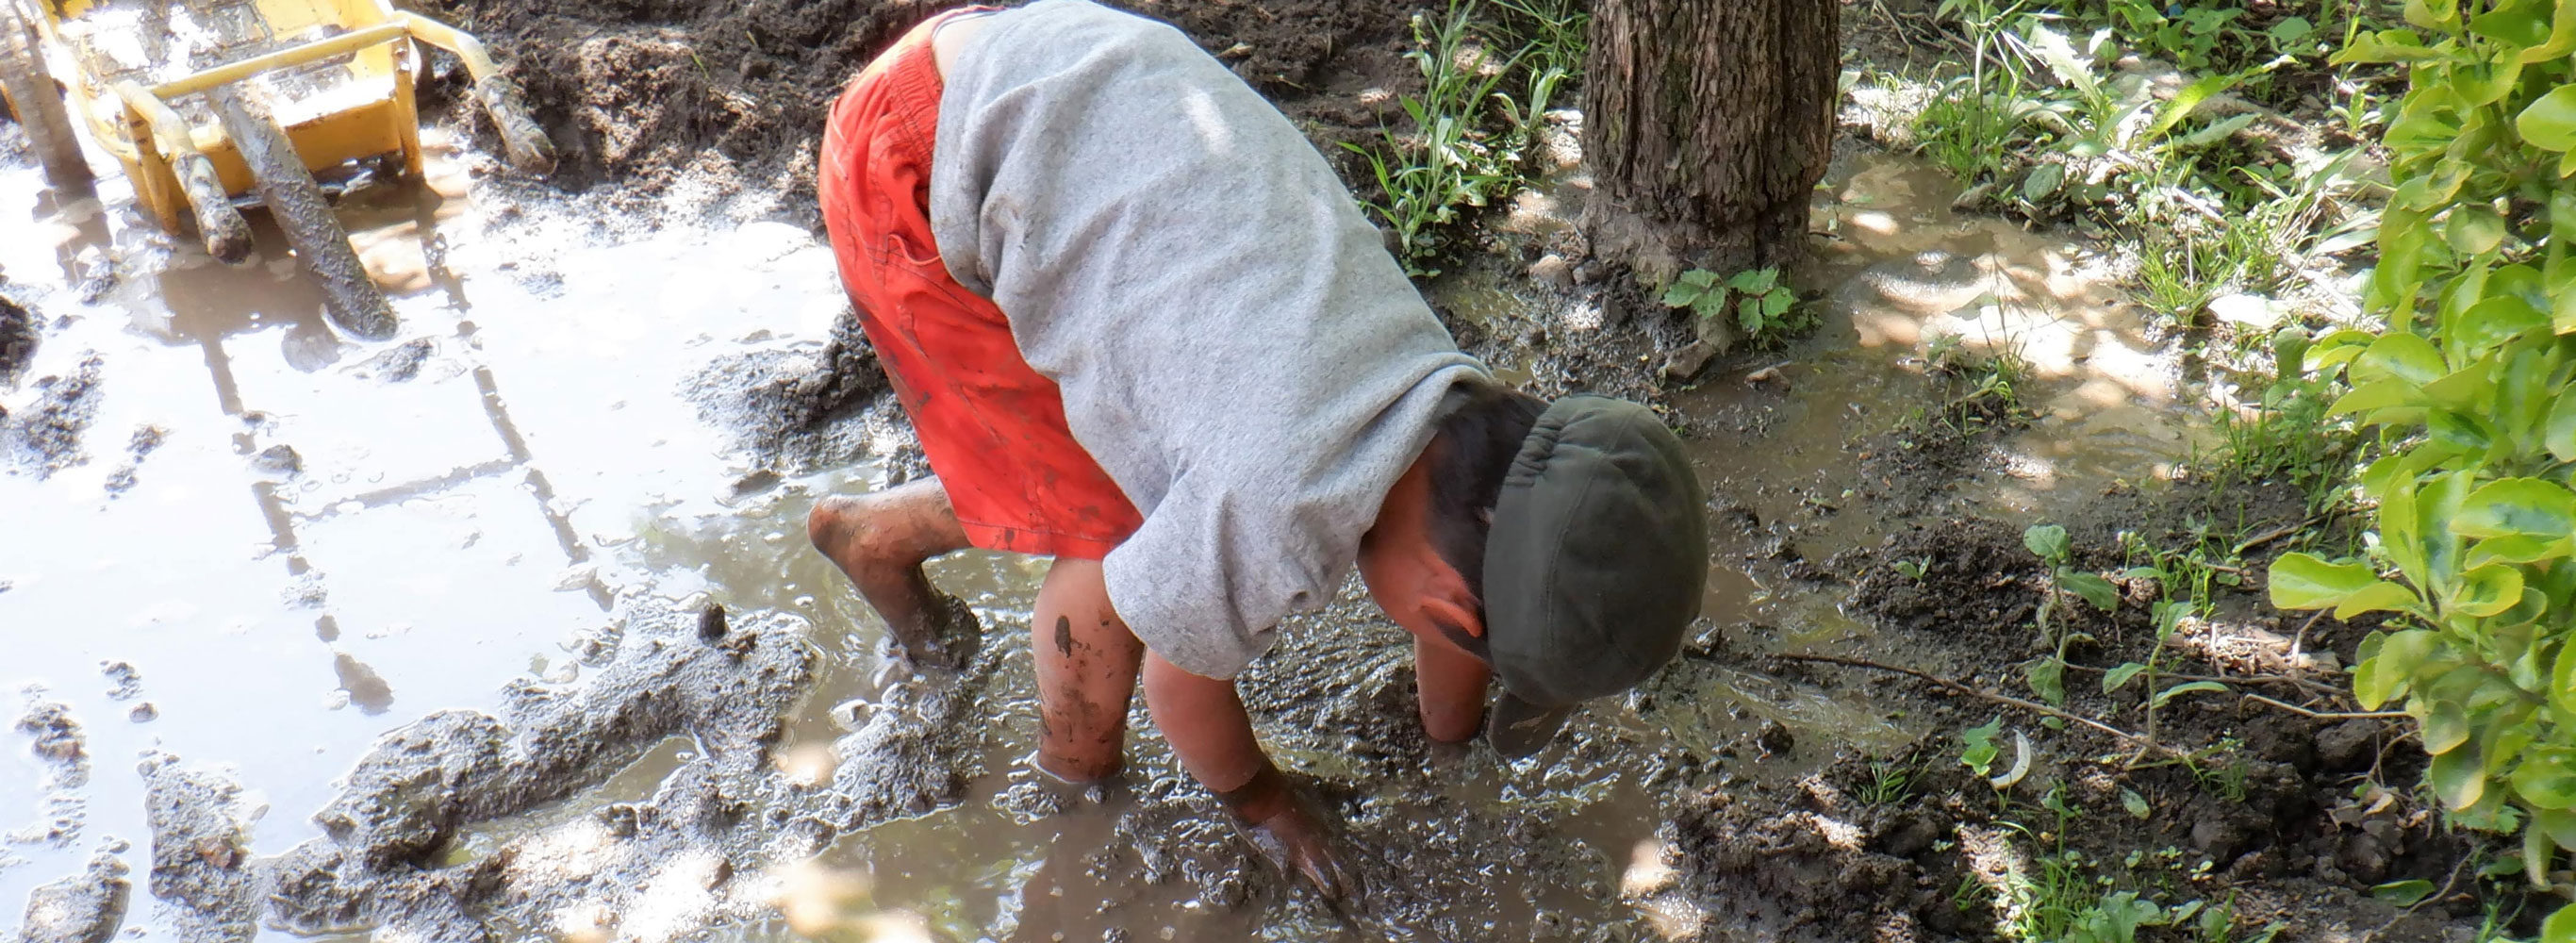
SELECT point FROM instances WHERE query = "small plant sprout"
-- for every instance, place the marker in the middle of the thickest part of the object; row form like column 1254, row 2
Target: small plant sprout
column 1977, row 750
column 1762, row 307
column 2047, row 675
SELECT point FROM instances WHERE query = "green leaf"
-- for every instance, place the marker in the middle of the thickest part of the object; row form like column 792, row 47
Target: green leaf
column 1681, row 294
column 1749, row 313
column 2562, row 682
column 2301, row 581
column 2560, row 927
column 2400, row 355
column 2457, row 778
column 2558, row 432
column 2446, row 726
column 2473, row 229
column 2379, row 596
column 2388, row 672
column 2536, row 849
column 2558, row 824
column 2516, row 23
column 2047, row 677
column 2291, row 30
column 2550, row 122
column 2562, row 36
column 1777, row 303
column 2517, row 506
column 2496, row 321
column 2217, row 132
column 2047, row 541
column 2042, row 182
column 2488, row 590
column 2547, row 779
column 1754, row 281
column 2519, row 548
column 2189, row 100
column 2093, row 589
column 2117, row 678
column 2186, row 688
column 2136, row 804
column 2377, row 395
column 2402, row 893
column 2069, row 66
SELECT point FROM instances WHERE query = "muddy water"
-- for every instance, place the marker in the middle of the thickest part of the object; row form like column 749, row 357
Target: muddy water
column 466, row 504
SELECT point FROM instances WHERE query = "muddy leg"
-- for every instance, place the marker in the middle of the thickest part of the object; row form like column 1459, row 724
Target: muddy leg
column 879, row 541
column 1087, row 663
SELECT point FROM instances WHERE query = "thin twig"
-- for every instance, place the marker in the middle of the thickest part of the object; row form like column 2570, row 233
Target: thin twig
column 2228, row 679
column 2004, row 699
column 2328, row 715
column 2271, row 535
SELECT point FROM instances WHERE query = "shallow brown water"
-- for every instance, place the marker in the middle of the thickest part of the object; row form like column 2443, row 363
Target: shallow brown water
column 452, row 531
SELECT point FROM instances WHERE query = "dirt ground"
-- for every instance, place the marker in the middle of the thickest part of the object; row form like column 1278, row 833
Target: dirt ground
column 661, row 107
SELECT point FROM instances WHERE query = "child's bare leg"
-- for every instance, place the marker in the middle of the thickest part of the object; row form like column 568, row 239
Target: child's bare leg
column 879, row 540
column 1086, row 668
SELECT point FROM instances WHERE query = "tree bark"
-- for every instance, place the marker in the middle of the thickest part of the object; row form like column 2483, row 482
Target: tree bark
column 1707, row 124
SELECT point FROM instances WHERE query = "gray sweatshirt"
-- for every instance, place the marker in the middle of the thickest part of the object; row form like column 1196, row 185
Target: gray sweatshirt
column 1235, row 346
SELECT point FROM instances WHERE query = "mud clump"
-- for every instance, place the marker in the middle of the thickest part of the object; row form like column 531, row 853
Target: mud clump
column 146, row 440
column 795, row 411
column 85, row 908
column 409, row 799
column 399, row 363
column 200, row 851
column 58, row 738
column 45, row 438
column 18, row 339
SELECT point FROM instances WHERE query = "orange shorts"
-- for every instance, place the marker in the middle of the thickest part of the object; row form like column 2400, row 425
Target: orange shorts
column 992, row 427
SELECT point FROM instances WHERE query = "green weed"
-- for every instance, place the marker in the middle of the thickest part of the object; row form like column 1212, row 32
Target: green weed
column 1763, row 308
column 1981, row 390
column 1977, row 746
column 1889, row 783
column 1470, row 130
column 2047, row 676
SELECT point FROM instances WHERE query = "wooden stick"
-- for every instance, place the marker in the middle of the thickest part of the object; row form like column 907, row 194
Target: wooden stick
column 2005, row 699
column 2329, row 715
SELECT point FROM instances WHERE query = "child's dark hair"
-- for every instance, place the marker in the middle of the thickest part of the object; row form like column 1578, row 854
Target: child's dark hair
column 1473, row 448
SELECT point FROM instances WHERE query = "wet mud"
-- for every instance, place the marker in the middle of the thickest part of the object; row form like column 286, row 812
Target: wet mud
column 44, row 437
column 800, row 411
column 663, row 773
column 85, row 908
column 723, row 108
column 378, row 864
column 18, row 338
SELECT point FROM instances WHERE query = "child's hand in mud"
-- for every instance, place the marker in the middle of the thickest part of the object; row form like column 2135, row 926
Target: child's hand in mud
column 1300, row 842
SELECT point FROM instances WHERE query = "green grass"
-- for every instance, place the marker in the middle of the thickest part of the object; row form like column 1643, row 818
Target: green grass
column 1480, row 109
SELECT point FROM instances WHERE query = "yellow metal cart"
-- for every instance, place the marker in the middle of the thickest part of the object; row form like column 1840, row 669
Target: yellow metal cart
column 203, row 101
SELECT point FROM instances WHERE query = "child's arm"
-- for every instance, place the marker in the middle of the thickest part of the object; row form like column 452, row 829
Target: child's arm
column 1211, row 734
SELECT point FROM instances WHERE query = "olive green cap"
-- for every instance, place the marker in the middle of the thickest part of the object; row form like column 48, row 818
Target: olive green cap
column 1594, row 566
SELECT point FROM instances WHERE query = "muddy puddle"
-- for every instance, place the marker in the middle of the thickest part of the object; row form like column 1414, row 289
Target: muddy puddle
column 265, row 547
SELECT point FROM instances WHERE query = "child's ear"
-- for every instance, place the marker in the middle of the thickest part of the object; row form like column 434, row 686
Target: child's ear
column 1448, row 612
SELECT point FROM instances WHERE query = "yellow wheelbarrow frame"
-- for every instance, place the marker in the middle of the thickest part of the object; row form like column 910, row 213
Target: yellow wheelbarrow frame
column 177, row 166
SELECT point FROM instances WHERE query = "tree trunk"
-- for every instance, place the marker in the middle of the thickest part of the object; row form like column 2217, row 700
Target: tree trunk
column 1707, row 124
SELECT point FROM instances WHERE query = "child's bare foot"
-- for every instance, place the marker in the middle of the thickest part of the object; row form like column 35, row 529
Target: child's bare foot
column 879, row 541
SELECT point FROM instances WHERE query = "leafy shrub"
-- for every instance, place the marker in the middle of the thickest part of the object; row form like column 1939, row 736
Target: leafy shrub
column 1765, row 309
column 2473, row 556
